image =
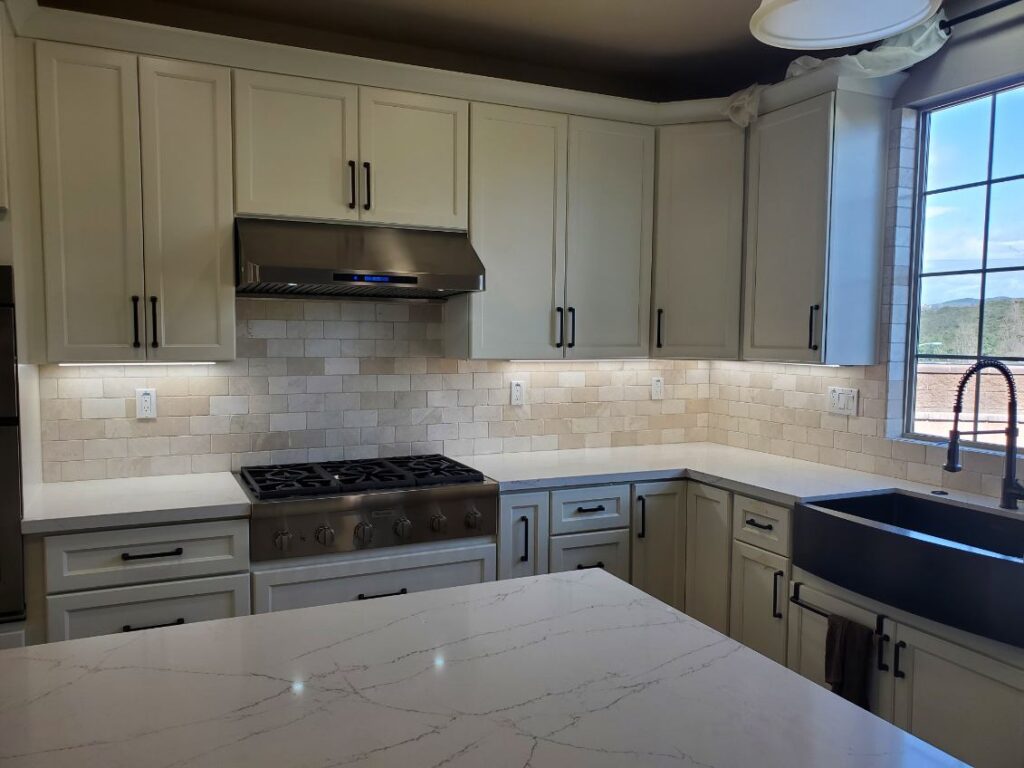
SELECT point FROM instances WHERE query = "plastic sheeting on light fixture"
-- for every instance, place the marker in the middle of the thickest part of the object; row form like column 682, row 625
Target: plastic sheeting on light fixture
column 822, row 24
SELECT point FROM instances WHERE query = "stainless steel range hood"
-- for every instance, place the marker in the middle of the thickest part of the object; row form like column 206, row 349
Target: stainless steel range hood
column 283, row 258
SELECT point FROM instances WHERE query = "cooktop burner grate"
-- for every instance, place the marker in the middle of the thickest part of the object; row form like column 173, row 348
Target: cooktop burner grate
column 333, row 477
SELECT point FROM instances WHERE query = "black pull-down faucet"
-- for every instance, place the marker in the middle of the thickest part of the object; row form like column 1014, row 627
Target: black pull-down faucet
column 1012, row 489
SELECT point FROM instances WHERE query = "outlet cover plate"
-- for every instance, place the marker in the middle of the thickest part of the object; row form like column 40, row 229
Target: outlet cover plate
column 517, row 393
column 842, row 401
column 657, row 388
column 145, row 403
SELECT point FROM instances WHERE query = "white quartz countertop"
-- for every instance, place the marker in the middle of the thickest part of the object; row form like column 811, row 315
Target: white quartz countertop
column 570, row 669
column 774, row 478
column 87, row 504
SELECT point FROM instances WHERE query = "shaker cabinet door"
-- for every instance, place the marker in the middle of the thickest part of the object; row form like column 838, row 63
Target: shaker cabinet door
column 91, row 190
column 187, row 210
column 659, row 540
column 759, row 600
column 523, row 534
column 708, row 550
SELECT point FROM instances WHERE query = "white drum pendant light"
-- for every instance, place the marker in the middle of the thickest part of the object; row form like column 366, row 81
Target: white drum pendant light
column 820, row 24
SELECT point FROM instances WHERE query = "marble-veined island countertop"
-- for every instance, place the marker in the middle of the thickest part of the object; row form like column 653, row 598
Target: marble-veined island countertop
column 570, row 669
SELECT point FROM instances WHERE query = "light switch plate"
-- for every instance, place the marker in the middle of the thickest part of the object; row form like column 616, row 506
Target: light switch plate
column 842, row 401
column 517, row 393
column 657, row 388
column 145, row 403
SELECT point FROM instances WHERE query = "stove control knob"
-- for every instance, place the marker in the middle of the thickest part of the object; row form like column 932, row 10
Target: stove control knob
column 363, row 533
column 438, row 523
column 473, row 518
column 403, row 527
column 283, row 540
column 324, row 535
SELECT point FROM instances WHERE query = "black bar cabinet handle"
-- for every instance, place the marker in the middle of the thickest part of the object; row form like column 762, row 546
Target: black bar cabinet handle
column 643, row 517
column 369, row 199
column 156, row 334
column 572, row 328
column 135, row 321
column 658, row 343
column 896, row 671
column 760, row 526
column 402, row 591
column 130, row 628
column 598, row 508
column 525, row 557
column 582, row 567
column 810, row 327
column 776, row 613
column 561, row 328
column 352, row 184
column 176, row 552
column 883, row 638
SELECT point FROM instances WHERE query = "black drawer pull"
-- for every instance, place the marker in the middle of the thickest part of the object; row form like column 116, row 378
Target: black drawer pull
column 402, row 591
column 598, row 508
column 810, row 327
column 760, row 526
column 352, row 184
column 896, row 671
column 369, row 199
column 658, row 343
column 883, row 638
column 561, row 327
column 130, row 628
column 572, row 328
column 598, row 564
column 177, row 552
column 642, row 534
column 525, row 557
column 135, row 322
column 776, row 613
column 156, row 333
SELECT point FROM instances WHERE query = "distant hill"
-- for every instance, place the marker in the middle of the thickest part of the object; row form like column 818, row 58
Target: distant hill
column 950, row 327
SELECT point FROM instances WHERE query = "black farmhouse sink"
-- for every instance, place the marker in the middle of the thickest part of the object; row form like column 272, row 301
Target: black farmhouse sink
column 958, row 565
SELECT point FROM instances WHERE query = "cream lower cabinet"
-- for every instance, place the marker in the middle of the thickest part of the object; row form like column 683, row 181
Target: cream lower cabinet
column 608, row 550
column 963, row 702
column 523, row 521
column 135, row 161
column 659, row 541
column 759, row 600
column 708, row 554
column 698, row 254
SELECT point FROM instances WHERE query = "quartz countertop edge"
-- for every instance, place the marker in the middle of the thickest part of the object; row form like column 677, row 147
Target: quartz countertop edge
column 764, row 476
column 126, row 502
column 567, row 669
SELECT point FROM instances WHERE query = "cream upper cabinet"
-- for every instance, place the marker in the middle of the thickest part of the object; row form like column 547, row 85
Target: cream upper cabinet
column 699, row 250
column 414, row 152
column 608, row 251
column 815, row 215
column 517, row 226
column 137, row 233
column 708, row 550
column 91, row 190
column 963, row 702
column 659, row 541
column 187, row 210
column 296, row 146
column 759, row 600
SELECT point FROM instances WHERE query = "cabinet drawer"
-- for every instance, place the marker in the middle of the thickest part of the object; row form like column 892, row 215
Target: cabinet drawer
column 126, row 609
column 761, row 524
column 603, row 549
column 589, row 509
column 367, row 577
column 142, row 555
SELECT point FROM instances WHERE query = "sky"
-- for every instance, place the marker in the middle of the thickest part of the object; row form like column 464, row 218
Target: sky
column 954, row 221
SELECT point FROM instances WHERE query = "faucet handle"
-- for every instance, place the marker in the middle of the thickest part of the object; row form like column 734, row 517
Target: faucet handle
column 953, row 453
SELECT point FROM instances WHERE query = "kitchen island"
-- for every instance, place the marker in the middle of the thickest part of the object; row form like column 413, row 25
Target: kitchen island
column 568, row 669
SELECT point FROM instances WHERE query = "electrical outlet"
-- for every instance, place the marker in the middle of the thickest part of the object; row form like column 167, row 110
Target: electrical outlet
column 517, row 393
column 842, row 401
column 145, row 403
column 657, row 388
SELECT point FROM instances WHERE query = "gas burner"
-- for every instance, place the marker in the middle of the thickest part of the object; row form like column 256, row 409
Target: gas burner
column 366, row 475
column 282, row 481
column 435, row 469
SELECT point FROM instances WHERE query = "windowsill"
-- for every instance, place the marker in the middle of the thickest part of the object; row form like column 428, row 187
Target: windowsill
column 930, row 441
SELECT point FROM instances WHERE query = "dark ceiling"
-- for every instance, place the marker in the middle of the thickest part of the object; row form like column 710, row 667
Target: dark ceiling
column 652, row 49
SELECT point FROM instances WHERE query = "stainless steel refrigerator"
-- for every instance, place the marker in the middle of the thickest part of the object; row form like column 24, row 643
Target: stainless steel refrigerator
column 12, row 575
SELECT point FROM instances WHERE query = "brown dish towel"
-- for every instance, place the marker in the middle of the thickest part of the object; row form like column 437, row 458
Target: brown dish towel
column 848, row 659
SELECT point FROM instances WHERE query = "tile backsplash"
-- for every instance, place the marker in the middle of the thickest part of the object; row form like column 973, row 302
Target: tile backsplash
column 351, row 379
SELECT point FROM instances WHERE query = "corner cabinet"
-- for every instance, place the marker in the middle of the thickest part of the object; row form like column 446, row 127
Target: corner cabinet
column 659, row 541
column 815, row 216
column 366, row 154
column 562, row 218
column 698, row 257
column 708, row 554
column 135, row 160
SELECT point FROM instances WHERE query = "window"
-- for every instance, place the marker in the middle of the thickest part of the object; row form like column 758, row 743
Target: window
column 970, row 261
